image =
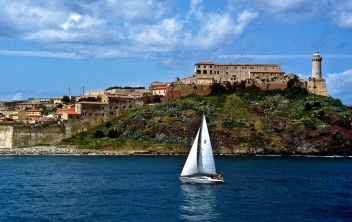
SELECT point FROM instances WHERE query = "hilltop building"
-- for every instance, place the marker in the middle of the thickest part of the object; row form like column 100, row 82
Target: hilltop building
column 264, row 76
column 210, row 72
column 316, row 84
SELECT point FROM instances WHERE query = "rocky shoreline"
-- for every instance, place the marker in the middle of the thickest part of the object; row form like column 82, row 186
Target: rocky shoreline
column 52, row 150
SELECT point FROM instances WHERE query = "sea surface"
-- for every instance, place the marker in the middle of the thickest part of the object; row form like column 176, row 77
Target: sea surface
column 147, row 188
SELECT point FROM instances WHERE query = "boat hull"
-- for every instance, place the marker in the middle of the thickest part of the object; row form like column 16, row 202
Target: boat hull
column 201, row 180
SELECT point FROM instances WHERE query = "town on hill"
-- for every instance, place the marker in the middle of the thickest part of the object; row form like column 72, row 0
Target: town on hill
column 22, row 122
column 114, row 101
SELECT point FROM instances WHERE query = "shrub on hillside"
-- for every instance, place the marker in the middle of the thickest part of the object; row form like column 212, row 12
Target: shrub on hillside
column 99, row 134
column 112, row 133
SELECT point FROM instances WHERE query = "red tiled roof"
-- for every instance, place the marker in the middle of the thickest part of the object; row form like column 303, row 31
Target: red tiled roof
column 205, row 63
column 71, row 111
column 33, row 110
column 161, row 87
column 205, row 78
column 233, row 64
column 120, row 97
column 266, row 71
column 92, row 103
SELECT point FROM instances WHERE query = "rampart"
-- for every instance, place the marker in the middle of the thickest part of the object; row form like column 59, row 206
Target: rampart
column 176, row 90
column 13, row 136
column 268, row 85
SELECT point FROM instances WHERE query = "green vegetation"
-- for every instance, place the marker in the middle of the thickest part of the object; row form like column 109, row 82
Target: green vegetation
column 272, row 121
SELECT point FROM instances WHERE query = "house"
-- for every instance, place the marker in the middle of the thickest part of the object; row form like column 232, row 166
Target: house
column 118, row 104
column 160, row 90
column 89, row 109
column 28, row 105
column 34, row 114
column 70, row 114
column 57, row 100
column 136, row 95
column 5, row 120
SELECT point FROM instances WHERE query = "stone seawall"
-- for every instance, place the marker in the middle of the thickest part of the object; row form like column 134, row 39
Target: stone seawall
column 6, row 134
column 12, row 136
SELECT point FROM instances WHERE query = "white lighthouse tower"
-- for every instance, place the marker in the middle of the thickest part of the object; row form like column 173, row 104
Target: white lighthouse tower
column 316, row 84
column 316, row 65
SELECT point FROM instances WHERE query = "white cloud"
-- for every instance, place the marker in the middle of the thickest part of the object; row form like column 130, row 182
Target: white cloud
column 41, row 54
column 339, row 85
column 342, row 14
column 288, row 10
column 120, row 29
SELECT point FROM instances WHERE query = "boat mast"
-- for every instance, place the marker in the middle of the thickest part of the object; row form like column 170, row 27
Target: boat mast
column 199, row 145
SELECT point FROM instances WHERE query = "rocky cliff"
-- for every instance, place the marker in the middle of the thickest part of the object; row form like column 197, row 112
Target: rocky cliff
column 288, row 122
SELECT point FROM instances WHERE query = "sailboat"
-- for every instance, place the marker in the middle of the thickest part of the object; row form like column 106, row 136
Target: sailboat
column 200, row 165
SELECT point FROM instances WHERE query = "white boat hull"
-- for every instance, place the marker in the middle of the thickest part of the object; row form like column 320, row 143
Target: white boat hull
column 201, row 180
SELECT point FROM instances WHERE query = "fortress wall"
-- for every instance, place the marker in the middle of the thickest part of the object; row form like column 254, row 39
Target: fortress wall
column 74, row 127
column 268, row 85
column 25, row 136
column 320, row 87
column 6, row 133
column 175, row 91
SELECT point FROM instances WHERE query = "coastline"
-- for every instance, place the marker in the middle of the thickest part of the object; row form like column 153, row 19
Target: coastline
column 53, row 150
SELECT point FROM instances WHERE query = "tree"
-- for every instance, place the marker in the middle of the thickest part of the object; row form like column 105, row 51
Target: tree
column 99, row 134
column 42, row 106
column 65, row 99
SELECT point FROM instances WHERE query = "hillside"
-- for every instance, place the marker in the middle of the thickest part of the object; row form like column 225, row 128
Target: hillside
column 240, row 122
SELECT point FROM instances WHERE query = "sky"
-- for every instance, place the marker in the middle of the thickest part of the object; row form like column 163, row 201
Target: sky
column 54, row 48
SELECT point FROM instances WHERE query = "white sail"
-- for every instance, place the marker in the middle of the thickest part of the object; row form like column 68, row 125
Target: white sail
column 206, row 159
column 190, row 166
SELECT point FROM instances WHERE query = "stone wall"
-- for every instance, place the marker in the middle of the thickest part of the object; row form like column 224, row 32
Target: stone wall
column 268, row 85
column 318, row 87
column 25, row 136
column 175, row 91
column 6, row 133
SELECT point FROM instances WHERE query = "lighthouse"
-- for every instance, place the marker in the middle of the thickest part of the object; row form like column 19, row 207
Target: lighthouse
column 316, row 65
column 316, row 84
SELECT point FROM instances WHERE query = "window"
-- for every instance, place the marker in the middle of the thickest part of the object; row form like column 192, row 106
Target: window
column 204, row 71
column 205, row 66
column 211, row 71
column 198, row 66
column 198, row 72
column 211, row 66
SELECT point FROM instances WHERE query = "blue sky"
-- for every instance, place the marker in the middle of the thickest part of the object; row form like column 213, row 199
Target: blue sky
column 47, row 47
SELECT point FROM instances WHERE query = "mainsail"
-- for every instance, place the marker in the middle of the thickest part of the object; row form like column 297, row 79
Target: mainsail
column 206, row 159
column 190, row 166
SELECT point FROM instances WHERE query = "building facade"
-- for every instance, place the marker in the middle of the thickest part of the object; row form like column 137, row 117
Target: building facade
column 234, row 72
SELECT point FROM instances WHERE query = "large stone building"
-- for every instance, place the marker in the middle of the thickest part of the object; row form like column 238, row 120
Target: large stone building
column 210, row 72
column 264, row 76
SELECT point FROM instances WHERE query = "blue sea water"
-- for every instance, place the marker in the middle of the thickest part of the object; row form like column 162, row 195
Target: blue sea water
column 146, row 188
